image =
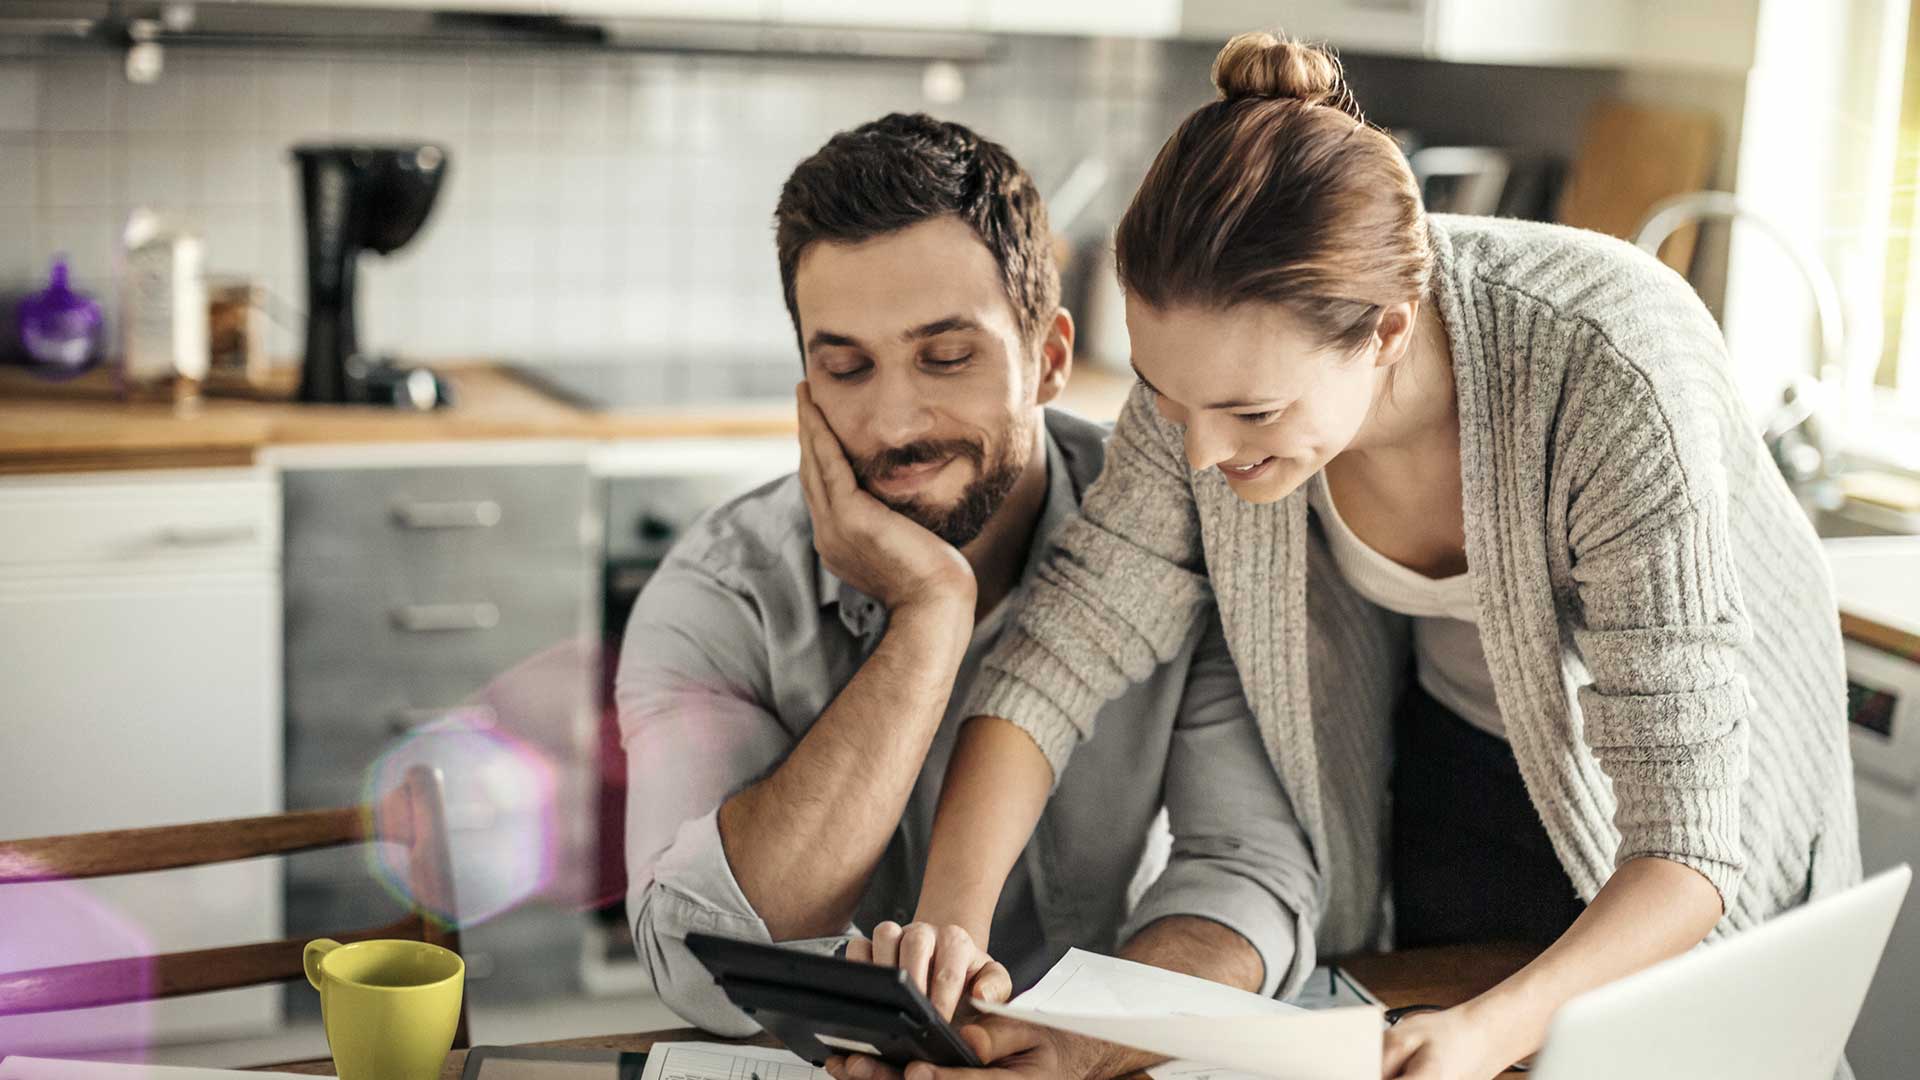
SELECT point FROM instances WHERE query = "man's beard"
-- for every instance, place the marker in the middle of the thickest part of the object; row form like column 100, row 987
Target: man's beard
column 959, row 523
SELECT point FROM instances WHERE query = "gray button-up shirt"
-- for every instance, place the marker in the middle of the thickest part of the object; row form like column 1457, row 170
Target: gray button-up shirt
column 743, row 638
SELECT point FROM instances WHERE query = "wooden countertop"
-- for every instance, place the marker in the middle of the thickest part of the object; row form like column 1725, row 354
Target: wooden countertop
column 83, row 424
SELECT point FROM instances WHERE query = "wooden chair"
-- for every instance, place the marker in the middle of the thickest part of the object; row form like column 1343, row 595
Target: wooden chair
column 413, row 814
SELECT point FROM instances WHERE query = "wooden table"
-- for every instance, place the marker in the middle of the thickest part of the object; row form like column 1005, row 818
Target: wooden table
column 1445, row 976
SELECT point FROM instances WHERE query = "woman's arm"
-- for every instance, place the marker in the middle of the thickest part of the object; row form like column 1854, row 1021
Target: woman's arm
column 997, row 784
column 1660, row 625
column 1116, row 597
column 1650, row 910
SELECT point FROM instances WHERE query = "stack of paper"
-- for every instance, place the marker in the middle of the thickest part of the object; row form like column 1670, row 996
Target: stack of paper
column 718, row 1061
column 1212, row 1031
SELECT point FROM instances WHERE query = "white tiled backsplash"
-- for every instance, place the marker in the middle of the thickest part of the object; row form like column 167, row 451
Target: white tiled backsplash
column 602, row 205
column 596, row 205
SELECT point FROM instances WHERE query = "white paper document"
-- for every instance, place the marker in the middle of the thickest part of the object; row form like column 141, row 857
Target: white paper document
column 16, row 1067
column 717, row 1061
column 1212, row 1031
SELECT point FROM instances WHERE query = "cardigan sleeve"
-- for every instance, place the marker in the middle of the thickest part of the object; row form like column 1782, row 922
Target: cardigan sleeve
column 1661, row 622
column 1116, row 596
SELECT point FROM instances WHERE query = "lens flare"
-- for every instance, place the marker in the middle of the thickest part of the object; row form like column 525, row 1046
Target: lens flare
column 52, row 924
column 519, row 767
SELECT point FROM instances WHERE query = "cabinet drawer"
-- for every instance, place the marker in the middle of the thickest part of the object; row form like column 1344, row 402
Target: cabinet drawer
column 437, row 519
column 357, row 647
column 218, row 520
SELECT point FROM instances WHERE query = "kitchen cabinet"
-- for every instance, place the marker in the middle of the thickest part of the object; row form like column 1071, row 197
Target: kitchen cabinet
column 1097, row 18
column 925, row 15
column 1142, row 18
column 1712, row 35
column 141, row 616
column 717, row 10
column 443, row 610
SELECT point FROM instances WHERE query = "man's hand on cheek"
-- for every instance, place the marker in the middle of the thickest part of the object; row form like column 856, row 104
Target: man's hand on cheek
column 882, row 553
column 1011, row 1049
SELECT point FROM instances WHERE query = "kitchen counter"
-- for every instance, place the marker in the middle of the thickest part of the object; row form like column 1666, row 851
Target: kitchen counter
column 83, row 424
column 1877, row 583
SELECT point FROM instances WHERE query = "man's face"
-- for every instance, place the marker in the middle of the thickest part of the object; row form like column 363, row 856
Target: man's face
column 915, row 357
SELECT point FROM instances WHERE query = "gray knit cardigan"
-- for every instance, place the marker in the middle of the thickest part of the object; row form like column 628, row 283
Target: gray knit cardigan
column 1655, row 608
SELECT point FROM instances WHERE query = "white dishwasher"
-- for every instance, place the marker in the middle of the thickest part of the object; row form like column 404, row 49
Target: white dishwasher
column 139, row 685
column 1877, row 582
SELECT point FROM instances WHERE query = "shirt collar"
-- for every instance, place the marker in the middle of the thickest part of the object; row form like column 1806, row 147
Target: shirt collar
column 862, row 614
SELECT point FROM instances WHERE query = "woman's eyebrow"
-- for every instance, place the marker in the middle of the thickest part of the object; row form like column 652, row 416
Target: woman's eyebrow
column 1217, row 405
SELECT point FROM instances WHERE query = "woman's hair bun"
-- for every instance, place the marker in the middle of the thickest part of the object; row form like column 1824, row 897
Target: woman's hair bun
column 1264, row 65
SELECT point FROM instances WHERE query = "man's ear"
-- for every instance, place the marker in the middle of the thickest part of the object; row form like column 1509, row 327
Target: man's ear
column 1056, row 357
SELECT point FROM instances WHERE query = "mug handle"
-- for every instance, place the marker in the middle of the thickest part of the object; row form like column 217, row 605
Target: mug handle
column 315, row 952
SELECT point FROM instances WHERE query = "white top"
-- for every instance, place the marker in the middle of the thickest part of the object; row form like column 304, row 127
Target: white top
column 1447, row 656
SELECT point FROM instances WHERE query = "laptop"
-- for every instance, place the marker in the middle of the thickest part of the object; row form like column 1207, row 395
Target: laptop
column 1774, row 1003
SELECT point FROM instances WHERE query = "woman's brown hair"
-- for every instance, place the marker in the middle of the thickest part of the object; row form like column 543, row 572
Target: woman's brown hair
column 1280, row 191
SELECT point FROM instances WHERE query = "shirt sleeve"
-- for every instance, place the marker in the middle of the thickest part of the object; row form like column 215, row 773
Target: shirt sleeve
column 1661, row 623
column 1116, row 597
column 1240, row 857
column 688, row 689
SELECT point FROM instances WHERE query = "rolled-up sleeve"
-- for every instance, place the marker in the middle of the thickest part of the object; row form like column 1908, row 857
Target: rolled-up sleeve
column 1117, row 595
column 688, row 690
column 1240, row 857
column 1661, row 628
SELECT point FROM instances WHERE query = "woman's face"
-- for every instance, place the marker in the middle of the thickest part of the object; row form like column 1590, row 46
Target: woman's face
column 1261, row 399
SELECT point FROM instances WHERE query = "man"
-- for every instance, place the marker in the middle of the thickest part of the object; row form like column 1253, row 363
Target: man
column 790, row 678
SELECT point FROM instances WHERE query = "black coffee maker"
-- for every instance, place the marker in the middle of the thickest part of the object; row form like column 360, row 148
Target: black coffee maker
column 360, row 198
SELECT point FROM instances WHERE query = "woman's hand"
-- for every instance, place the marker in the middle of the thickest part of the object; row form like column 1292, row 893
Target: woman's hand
column 942, row 961
column 1451, row 1044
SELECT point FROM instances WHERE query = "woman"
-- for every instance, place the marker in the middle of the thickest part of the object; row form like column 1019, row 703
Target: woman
column 1536, row 635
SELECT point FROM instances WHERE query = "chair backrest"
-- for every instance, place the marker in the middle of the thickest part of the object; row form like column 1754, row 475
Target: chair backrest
column 412, row 814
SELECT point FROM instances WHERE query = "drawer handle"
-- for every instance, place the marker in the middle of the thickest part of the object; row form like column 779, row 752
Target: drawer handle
column 437, row 618
column 406, row 718
column 199, row 536
column 473, row 514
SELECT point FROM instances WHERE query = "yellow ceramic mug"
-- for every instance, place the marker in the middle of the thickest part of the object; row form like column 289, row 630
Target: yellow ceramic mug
column 389, row 1007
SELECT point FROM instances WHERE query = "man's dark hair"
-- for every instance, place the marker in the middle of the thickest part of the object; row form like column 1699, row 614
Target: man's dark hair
column 903, row 169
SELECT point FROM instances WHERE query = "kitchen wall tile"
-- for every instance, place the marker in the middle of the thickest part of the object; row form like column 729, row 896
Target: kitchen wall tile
column 162, row 171
column 573, row 104
column 383, row 100
column 234, row 169
column 78, row 171
column 232, row 244
column 170, row 105
column 19, row 170
column 19, row 95
column 20, row 266
column 229, row 98
column 511, row 93
column 296, row 98
column 89, row 237
column 596, row 204
column 652, row 111
column 446, row 92
column 80, row 94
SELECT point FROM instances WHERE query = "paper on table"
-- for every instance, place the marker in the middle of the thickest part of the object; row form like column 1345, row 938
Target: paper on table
column 16, row 1067
column 718, row 1061
column 1196, row 1021
column 1088, row 982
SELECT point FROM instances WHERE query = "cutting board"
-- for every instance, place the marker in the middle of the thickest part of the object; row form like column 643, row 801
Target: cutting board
column 1631, row 157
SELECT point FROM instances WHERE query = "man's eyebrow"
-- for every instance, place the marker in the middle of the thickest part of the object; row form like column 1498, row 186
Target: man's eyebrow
column 1216, row 405
column 940, row 326
column 827, row 339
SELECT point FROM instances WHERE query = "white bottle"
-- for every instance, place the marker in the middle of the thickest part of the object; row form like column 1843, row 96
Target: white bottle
column 164, row 302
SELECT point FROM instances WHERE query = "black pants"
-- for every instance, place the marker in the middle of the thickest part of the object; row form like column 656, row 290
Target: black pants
column 1471, row 860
